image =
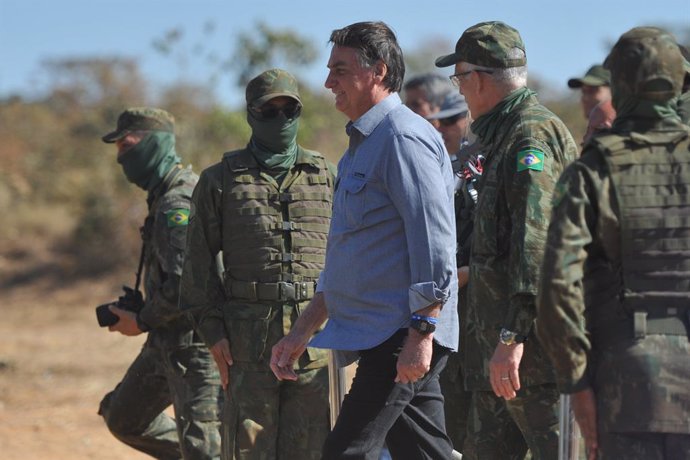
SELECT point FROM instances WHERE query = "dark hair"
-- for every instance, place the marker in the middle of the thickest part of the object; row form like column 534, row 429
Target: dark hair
column 374, row 41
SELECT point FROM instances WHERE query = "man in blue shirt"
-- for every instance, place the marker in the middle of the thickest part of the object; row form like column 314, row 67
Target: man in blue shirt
column 389, row 287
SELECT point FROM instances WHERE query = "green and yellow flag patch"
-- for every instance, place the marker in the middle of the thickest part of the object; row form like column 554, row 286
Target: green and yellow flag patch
column 177, row 217
column 530, row 159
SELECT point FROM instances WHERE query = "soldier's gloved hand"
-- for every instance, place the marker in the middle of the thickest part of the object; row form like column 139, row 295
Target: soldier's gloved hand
column 127, row 325
column 223, row 358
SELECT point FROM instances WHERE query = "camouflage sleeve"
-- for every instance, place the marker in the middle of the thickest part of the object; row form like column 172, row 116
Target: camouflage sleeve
column 684, row 107
column 531, row 171
column 560, row 322
column 168, row 243
column 201, row 289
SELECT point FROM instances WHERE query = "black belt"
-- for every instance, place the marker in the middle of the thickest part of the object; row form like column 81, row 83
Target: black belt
column 280, row 291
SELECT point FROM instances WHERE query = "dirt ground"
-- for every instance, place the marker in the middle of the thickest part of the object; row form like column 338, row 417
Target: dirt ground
column 56, row 363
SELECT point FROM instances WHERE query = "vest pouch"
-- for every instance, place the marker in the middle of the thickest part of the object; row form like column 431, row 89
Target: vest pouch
column 248, row 328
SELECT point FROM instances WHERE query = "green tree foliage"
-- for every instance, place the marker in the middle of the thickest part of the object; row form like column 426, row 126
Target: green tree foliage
column 60, row 184
column 263, row 47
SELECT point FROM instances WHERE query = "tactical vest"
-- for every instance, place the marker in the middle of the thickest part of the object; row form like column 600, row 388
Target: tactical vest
column 650, row 174
column 274, row 236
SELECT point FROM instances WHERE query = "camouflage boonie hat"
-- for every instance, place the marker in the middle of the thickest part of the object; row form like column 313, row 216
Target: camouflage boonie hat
column 486, row 44
column 596, row 75
column 270, row 84
column 141, row 119
column 646, row 62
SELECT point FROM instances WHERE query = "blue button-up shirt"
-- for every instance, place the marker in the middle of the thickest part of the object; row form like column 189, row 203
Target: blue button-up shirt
column 391, row 246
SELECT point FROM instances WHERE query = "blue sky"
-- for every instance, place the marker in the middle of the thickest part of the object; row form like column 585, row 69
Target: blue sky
column 562, row 38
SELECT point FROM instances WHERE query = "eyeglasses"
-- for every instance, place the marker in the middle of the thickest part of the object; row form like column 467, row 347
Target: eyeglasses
column 268, row 112
column 455, row 79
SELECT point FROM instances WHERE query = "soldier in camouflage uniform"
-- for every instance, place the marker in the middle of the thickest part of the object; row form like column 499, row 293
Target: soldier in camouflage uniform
column 526, row 149
column 613, row 310
column 267, row 207
column 174, row 366
column 466, row 159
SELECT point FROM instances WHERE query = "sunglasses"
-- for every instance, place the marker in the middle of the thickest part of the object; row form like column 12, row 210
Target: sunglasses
column 451, row 120
column 268, row 112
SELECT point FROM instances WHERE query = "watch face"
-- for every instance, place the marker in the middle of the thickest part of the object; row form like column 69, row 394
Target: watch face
column 423, row 327
column 507, row 337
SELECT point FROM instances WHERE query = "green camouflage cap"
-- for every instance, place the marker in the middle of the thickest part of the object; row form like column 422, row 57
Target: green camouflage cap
column 270, row 84
column 646, row 62
column 596, row 75
column 141, row 119
column 486, row 44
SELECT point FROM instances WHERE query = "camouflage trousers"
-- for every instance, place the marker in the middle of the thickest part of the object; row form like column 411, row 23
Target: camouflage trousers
column 266, row 419
column 456, row 401
column 177, row 371
column 500, row 429
column 643, row 446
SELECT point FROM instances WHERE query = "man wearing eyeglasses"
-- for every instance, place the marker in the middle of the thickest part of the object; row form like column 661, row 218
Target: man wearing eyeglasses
column 267, row 208
column 526, row 147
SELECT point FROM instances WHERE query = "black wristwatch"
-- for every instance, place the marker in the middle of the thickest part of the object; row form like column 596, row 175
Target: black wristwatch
column 423, row 324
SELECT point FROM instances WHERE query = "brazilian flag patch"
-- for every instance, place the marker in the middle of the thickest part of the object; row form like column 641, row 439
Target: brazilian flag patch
column 530, row 159
column 177, row 217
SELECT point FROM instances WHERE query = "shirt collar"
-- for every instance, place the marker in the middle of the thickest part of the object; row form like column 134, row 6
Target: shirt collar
column 368, row 122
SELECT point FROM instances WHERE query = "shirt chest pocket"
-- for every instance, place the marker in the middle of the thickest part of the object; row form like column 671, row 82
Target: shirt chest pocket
column 352, row 200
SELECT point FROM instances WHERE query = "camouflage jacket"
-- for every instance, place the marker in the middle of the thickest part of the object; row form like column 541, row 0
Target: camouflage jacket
column 206, row 292
column 640, row 385
column 684, row 107
column 165, row 235
column 527, row 151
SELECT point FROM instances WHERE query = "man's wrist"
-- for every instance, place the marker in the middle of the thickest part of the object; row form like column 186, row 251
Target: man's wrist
column 143, row 327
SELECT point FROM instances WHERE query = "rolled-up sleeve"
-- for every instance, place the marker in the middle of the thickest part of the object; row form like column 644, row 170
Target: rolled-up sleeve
column 416, row 181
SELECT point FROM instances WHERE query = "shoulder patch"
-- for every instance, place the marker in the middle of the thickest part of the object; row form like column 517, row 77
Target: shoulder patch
column 530, row 159
column 177, row 217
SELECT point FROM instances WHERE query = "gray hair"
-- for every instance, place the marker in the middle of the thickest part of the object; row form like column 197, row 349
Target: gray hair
column 434, row 86
column 510, row 78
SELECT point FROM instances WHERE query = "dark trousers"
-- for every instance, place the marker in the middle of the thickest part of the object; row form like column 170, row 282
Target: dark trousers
column 409, row 418
column 644, row 446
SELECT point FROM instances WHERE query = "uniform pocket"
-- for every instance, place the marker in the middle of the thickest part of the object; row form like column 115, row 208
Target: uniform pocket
column 247, row 327
column 354, row 201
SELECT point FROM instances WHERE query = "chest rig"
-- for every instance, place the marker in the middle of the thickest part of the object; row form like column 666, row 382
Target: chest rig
column 274, row 235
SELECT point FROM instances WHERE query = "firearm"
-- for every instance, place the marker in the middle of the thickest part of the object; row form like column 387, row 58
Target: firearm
column 133, row 300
